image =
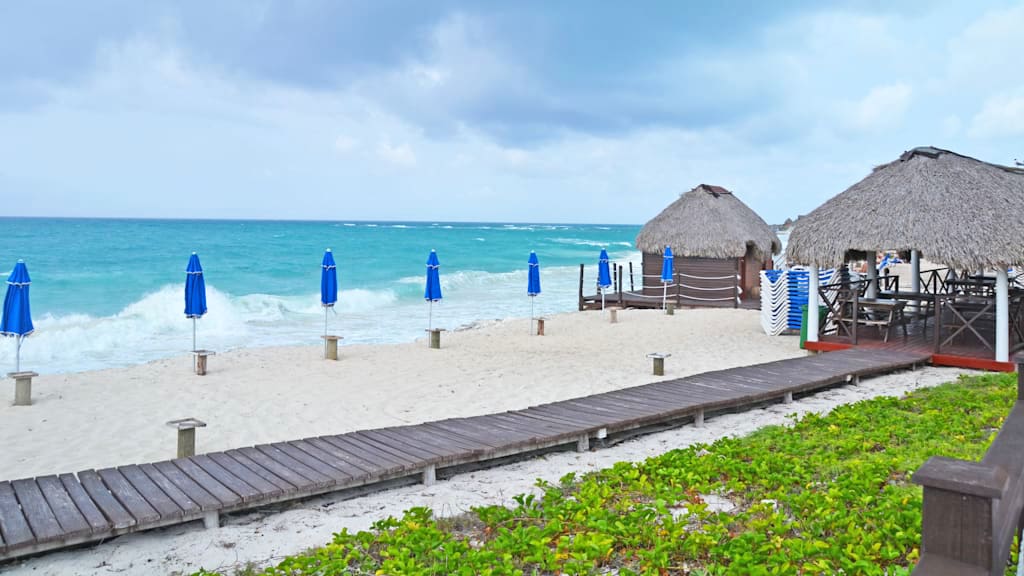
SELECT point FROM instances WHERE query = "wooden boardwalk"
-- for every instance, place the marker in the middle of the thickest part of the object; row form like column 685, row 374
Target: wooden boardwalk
column 61, row 510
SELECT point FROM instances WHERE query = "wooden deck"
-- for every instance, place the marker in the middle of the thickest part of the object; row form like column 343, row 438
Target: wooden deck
column 62, row 510
column 966, row 351
column 628, row 300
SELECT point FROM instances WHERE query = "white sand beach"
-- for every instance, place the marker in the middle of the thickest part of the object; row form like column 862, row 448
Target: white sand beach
column 250, row 396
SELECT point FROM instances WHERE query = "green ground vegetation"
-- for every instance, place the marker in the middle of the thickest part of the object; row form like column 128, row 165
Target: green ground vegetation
column 827, row 494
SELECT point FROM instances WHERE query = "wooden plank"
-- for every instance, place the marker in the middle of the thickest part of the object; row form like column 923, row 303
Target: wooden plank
column 580, row 421
column 37, row 511
column 541, row 426
column 13, row 525
column 519, row 432
column 98, row 523
column 318, row 479
column 72, row 522
column 112, row 509
column 466, row 430
column 425, row 435
column 447, row 450
column 350, row 471
column 180, row 498
column 407, row 458
column 153, row 494
column 447, row 431
column 267, row 488
column 208, row 483
column 369, row 467
column 128, row 496
column 410, row 448
column 332, row 475
column 283, row 471
column 257, row 469
column 244, row 490
column 380, row 459
column 426, row 451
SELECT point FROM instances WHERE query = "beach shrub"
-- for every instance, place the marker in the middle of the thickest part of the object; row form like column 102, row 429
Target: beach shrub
column 829, row 494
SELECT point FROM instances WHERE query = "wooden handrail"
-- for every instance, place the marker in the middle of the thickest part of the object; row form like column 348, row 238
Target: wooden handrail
column 972, row 510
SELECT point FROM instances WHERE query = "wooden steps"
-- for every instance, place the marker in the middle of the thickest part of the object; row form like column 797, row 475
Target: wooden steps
column 56, row 511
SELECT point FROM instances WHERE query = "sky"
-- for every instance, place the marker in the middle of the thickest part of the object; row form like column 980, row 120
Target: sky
column 526, row 111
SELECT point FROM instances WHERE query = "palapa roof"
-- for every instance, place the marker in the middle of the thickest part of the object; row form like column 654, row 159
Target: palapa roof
column 708, row 222
column 956, row 210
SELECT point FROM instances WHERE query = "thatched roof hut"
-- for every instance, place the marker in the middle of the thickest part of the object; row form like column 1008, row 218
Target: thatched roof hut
column 955, row 210
column 720, row 245
column 708, row 222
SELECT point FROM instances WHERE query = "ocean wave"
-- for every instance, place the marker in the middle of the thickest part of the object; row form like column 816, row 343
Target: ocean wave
column 583, row 242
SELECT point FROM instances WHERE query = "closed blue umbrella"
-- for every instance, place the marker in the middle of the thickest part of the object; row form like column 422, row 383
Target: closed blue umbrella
column 328, row 287
column 604, row 276
column 432, row 292
column 17, row 318
column 533, row 282
column 195, row 293
column 666, row 274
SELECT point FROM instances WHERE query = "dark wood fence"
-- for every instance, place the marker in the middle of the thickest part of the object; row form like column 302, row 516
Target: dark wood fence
column 972, row 510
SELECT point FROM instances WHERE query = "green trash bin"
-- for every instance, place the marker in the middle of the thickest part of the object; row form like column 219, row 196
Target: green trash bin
column 803, row 321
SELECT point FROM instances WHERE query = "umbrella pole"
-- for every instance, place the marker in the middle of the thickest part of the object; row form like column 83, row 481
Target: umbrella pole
column 430, row 317
column 602, row 298
column 531, row 314
column 664, row 294
column 193, row 342
column 17, row 356
column 325, row 332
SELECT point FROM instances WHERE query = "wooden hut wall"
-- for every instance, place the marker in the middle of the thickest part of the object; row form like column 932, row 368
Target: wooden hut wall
column 750, row 272
column 714, row 268
column 652, row 274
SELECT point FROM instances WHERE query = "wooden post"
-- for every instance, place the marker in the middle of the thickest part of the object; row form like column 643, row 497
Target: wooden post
column 540, row 326
column 631, row 288
column 332, row 346
column 200, row 360
column 698, row 419
column 581, row 287
column 620, row 285
column 583, row 443
column 679, row 286
column 430, row 475
column 186, row 435
column 22, row 387
column 736, row 286
column 670, row 308
column 613, row 315
column 659, row 362
column 435, row 338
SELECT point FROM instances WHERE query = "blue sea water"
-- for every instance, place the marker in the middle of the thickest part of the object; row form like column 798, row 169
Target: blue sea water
column 109, row 293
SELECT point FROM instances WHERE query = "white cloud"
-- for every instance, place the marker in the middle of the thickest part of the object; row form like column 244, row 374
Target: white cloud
column 344, row 144
column 401, row 155
column 881, row 109
column 1002, row 115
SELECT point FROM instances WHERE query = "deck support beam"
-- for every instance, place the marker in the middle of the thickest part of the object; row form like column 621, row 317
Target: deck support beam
column 583, row 443
column 430, row 475
column 211, row 520
column 1002, row 316
column 788, row 398
column 872, row 272
column 812, row 304
column 698, row 419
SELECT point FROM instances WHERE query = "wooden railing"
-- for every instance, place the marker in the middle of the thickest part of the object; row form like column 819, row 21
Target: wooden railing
column 972, row 510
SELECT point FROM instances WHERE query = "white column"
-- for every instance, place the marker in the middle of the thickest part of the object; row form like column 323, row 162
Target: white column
column 1002, row 316
column 872, row 270
column 915, row 271
column 812, row 304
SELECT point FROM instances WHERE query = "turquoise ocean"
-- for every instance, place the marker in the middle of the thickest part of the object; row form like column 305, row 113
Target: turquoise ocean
column 108, row 293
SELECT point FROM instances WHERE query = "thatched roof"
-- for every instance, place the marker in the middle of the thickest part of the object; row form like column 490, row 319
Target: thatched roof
column 708, row 222
column 955, row 210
